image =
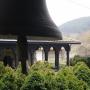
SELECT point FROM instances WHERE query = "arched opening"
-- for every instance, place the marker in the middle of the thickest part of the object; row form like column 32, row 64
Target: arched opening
column 40, row 54
column 63, row 56
column 51, row 56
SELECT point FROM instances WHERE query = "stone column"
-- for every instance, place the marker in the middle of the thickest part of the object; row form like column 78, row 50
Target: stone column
column 57, row 51
column 22, row 46
column 32, row 57
column 13, row 56
column 16, row 58
column 46, row 50
column 68, row 60
column 67, row 48
column 46, row 55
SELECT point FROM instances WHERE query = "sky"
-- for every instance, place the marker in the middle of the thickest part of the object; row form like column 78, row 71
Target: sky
column 62, row 11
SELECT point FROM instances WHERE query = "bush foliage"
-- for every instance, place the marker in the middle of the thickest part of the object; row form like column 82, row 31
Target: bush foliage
column 66, row 80
column 82, row 72
column 42, row 77
column 78, row 58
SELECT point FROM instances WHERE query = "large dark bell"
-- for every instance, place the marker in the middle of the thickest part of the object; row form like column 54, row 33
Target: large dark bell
column 27, row 17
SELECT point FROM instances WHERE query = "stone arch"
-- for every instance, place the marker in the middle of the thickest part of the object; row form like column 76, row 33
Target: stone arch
column 63, row 55
column 32, row 54
column 40, row 53
column 51, row 55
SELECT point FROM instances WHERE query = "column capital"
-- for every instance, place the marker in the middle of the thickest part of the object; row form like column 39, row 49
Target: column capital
column 67, row 47
column 57, row 48
column 46, row 48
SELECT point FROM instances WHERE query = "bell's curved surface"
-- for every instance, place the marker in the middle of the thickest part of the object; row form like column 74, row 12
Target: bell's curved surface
column 27, row 17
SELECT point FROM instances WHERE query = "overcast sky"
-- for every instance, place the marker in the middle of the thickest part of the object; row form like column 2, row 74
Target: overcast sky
column 62, row 11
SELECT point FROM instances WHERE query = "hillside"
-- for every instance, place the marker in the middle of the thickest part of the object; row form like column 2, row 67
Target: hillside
column 76, row 26
column 84, row 49
column 78, row 29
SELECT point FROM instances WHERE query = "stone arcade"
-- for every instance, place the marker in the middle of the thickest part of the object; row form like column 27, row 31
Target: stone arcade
column 33, row 45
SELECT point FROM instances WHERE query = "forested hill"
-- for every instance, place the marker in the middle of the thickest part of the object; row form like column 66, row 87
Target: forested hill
column 76, row 26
